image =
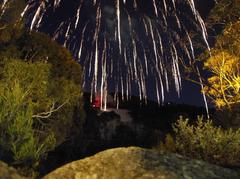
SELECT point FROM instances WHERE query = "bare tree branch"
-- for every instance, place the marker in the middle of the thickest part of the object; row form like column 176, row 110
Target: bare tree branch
column 45, row 115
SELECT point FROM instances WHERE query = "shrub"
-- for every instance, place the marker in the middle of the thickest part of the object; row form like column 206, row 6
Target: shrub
column 205, row 141
column 36, row 110
column 41, row 101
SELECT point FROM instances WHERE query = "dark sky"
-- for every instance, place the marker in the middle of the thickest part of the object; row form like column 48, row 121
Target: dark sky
column 190, row 93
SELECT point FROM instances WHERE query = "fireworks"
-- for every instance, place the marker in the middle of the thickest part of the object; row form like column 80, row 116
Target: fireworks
column 123, row 45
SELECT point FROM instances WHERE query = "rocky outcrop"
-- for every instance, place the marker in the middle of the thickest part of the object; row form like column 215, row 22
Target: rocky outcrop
column 7, row 172
column 133, row 162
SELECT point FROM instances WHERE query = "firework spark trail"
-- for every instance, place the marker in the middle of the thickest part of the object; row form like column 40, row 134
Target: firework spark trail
column 118, row 26
column 204, row 32
column 94, row 2
column 192, row 4
column 157, row 92
column 153, row 39
column 25, row 10
column 166, row 80
column 123, row 45
column 176, row 57
column 203, row 93
column 98, row 24
column 37, row 15
column 81, row 43
column 165, row 6
column 145, row 61
column 178, row 21
column 191, row 44
column 67, row 35
column 78, row 16
column 174, row 4
column 103, row 90
column 155, row 7
column 40, row 19
column 57, row 31
column 134, row 48
column 160, row 42
column 135, row 4
column 4, row 4
column 95, row 79
column 56, row 3
column 4, row 7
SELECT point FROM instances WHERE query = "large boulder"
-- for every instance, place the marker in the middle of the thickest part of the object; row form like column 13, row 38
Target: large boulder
column 134, row 162
column 7, row 172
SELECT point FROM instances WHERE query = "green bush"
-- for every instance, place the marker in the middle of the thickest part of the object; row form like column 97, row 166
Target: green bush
column 36, row 110
column 204, row 141
column 41, row 103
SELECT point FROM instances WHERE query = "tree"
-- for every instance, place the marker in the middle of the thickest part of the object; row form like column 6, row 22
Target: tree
column 224, row 64
column 41, row 103
column 36, row 111
column 224, row 83
column 222, row 86
column 22, row 95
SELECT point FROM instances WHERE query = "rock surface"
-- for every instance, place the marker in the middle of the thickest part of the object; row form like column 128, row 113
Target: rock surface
column 7, row 172
column 134, row 162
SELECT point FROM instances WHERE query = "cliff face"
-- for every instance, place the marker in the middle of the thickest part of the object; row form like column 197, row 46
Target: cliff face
column 136, row 162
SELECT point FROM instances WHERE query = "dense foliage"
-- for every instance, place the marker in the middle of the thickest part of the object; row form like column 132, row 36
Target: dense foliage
column 223, row 84
column 41, row 103
column 224, row 64
column 21, row 95
column 204, row 141
column 36, row 110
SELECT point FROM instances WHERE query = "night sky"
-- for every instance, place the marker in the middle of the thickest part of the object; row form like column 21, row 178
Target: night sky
column 62, row 18
column 190, row 92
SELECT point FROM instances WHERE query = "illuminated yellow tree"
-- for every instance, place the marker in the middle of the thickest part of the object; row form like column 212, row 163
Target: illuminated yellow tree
column 224, row 84
column 224, row 64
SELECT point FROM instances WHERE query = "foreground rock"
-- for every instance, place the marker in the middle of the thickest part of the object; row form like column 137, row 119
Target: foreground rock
column 7, row 172
column 133, row 162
